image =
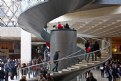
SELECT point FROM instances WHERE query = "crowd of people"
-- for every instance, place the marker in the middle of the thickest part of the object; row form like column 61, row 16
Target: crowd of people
column 42, row 70
column 111, row 70
column 9, row 67
column 12, row 68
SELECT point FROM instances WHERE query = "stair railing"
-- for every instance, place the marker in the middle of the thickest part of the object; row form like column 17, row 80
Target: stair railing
column 34, row 70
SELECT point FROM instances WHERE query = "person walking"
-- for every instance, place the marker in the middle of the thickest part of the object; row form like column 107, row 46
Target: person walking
column 102, row 69
column 56, row 56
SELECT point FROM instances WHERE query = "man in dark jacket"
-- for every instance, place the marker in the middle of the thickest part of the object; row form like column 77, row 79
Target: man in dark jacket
column 87, row 45
column 2, row 74
column 91, row 77
column 56, row 56
column 95, row 48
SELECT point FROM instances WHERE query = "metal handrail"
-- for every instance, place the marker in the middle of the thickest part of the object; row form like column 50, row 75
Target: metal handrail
column 71, row 56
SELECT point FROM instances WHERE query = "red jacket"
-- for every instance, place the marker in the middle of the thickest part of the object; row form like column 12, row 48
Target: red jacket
column 59, row 26
column 88, row 49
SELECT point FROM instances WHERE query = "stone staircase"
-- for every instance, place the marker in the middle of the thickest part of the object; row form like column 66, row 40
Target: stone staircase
column 81, row 65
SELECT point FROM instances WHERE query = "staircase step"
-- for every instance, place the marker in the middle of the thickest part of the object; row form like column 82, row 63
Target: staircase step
column 59, row 71
column 71, row 68
column 55, row 73
column 75, row 66
column 90, row 63
column 103, row 57
column 83, row 65
column 80, row 62
column 96, row 61
column 104, row 54
column 51, row 74
column 65, row 70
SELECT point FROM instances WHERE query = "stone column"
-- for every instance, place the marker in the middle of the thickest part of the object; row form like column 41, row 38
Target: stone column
column 63, row 40
column 25, row 46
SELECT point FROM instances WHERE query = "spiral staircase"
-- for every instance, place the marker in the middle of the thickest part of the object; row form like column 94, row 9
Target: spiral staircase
column 37, row 16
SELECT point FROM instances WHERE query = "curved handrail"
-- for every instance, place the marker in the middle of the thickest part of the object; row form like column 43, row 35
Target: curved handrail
column 70, row 57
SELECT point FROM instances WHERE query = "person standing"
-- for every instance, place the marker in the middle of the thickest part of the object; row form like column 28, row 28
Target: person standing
column 2, row 74
column 102, row 69
column 66, row 26
column 56, row 56
column 87, row 44
column 59, row 26
column 86, row 47
column 96, row 47
column 91, row 77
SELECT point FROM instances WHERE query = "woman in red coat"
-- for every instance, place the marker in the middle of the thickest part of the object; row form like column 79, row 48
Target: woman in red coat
column 59, row 26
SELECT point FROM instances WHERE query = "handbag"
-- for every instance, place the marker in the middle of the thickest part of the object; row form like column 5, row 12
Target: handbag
column 9, row 74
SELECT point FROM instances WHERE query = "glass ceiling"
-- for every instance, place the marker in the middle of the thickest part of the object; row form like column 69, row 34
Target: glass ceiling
column 9, row 12
column 11, row 9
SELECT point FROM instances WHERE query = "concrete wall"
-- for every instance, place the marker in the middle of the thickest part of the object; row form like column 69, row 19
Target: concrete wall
column 65, row 42
column 11, row 32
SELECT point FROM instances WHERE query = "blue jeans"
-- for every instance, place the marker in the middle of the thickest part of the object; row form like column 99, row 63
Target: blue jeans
column 88, row 57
